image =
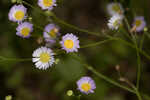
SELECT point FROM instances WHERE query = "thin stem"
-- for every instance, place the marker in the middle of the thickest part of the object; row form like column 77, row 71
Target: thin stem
column 148, row 35
column 103, row 76
column 26, row 3
column 137, row 93
column 138, row 62
column 96, row 43
column 146, row 96
column 137, row 53
column 57, row 20
column 139, row 69
column 86, row 31
column 15, row 59
column 134, row 90
column 142, row 41
column 139, row 65
column 127, row 23
column 79, row 97
column 108, row 79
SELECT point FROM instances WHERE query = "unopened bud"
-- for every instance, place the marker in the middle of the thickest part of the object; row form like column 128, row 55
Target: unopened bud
column 13, row 1
column 9, row 97
column 30, row 18
column 133, row 29
column 39, row 40
column 69, row 92
column 117, row 67
column 19, row 1
column 122, row 79
column 49, row 13
column 145, row 29
column 57, row 61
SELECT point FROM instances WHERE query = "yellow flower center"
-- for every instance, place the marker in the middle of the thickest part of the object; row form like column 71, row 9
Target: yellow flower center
column 47, row 3
column 68, row 44
column 52, row 33
column 19, row 15
column 116, row 23
column 44, row 57
column 86, row 87
column 116, row 8
column 25, row 31
column 138, row 23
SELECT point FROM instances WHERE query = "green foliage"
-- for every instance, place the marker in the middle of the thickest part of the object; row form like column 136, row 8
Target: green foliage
column 21, row 81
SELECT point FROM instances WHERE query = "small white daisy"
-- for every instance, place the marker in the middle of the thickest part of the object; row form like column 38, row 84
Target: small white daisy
column 43, row 58
column 139, row 23
column 17, row 13
column 115, row 8
column 86, row 85
column 24, row 29
column 50, row 33
column 70, row 43
column 47, row 4
column 115, row 22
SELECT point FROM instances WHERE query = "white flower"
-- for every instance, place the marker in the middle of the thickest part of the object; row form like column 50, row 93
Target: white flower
column 17, row 13
column 139, row 23
column 115, row 8
column 47, row 4
column 43, row 57
column 115, row 22
column 70, row 43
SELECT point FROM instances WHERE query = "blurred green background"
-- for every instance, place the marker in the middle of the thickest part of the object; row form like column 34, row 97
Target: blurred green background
column 24, row 82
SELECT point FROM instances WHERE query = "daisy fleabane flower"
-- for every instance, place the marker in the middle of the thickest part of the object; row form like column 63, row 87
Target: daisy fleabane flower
column 17, row 13
column 115, row 8
column 139, row 24
column 86, row 85
column 47, row 4
column 24, row 29
column 115, row 22
column 43, row 58
column 50, row 33
column 70, row 43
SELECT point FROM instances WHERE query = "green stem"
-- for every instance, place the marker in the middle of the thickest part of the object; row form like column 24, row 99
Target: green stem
column 57, row 20
column 79, row 97
column 148, row 35
column 139, row 66
column 142, row 41
column 134, row 90
column 108, row 79
column 103, row 76
column 86, row 31
column 137, row 93
column 96, row 43
column 15, row 59
column 146, row 96
column 137, row 53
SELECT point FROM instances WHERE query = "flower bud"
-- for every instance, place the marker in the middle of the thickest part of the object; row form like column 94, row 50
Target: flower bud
column 9, row 97
column 69, row 93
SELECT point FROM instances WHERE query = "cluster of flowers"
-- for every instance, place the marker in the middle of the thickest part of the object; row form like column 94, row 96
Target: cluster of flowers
column 43, row 57
column 116, row 12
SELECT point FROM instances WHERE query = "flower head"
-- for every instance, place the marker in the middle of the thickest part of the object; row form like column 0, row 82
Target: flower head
column 70, row 43
column 139, row 23
column 43, row 57
column 17, row 13
column 24, row 29
column 47, row 4
column 86, row 85
column 115, row 22
column 50, row 33
column 115, row 8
